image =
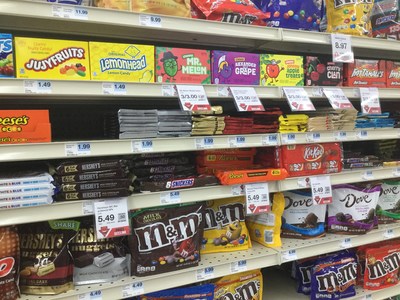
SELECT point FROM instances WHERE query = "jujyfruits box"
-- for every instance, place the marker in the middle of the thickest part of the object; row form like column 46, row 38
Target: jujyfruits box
column 24, row 126
column 281, row 70
column 392, row 74
column 6, row 55
column 183, row 65
column 235, row 68
column 51, row 59
column 365, row 73
column 322, row 71
column 122, row 62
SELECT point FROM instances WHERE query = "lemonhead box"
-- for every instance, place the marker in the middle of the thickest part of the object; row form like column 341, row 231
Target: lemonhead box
column 51, row 59
column 121, row 62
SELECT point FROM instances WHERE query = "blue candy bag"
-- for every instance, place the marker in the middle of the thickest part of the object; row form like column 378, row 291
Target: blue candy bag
column 201, row 292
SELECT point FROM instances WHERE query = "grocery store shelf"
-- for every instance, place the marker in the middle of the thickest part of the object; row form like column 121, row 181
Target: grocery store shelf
column 256, row 257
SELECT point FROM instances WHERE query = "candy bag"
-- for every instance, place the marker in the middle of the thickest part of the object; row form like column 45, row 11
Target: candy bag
column 388, row 208
column 304, row 268
column 162, row 7
column 246, row 285
column 385, row 19
column 200, row 292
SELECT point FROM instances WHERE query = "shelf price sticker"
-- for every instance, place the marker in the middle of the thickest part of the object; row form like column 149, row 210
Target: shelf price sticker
column 321, row 189
column 368, row 175
column 239, row 266
column 70, row 12
column 340, row 136
column 313, row 137
column 237, row 141
column 396, row 172
column 269, row 140
column 337, row 98
column 111, row 218
column 87, row 207
column 93, row 295
column 257, row 198
column 237, row 190
column 370, row 103
column 289, row 255
column 288, row 138
column 204, row 143
column 193, row 98
column 170, row 197
column 204, row 274
column 362, row 134
column 114, row 88
column 150, row 20
column 133, row 289
column 367, row 297
column 78, row 149
column 388, row 234
column 298, row 99
column 38, row 87
column 346, row 243
column 341, row 48
column 169, row 90
column 142, row 146
column 246, row 99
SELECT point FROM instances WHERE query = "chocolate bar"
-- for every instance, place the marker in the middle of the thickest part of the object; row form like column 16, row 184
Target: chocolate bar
column 103, row 259
column 96, row 185
column 84, row 260
column 178, row 183
column 73, row 167
column 162, row 161
column 114, row 193
column 92, row 176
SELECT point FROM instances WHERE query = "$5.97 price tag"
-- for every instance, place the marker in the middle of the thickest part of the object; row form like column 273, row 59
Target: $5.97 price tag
column 257, row 198
column 246, row 99
column 111, row 218
column 321, row 189
column 193, row 98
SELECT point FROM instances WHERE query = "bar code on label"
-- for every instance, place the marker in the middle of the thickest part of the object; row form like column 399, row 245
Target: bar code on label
column 268, row 236
column 122, row 217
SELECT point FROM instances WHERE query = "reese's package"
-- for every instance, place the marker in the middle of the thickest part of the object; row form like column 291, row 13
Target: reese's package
column 46, row 264
column 242, row 286
column 9, row 263
column 388, row 208
column 98, row 260
column 166, row 239
column 224, row 226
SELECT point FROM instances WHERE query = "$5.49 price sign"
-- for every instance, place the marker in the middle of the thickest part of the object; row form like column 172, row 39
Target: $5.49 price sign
column 111, row 218
column 257, row 198
column 246, row 99
column 193, row 98
column 321, row 189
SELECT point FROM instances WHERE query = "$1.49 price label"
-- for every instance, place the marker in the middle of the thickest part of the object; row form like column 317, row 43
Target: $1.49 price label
column 257, row 198
column 246, row 99
column 321, row 189
column 193, row 98
column 111, row 218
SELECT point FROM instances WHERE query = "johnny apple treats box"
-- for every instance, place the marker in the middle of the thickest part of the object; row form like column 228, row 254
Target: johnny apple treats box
column 281, row 70
column 392, row 74
column 322, row 71
column 6, row 55
column 51, row 59
column 365, row 73
column 121, row 62
column 235, row 68
column 180, row 65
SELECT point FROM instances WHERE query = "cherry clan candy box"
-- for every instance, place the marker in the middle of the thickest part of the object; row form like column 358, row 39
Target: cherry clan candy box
column 121, row 62
column 183, row 65
column 365, row 73
column 392, row 74
column 51, row 59
column 235, row 68
column 321, row 71
column 281, row 70
column 6, row 55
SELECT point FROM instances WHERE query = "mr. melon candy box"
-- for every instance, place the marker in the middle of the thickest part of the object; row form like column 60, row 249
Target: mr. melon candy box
column 121, row 62
column 180, row 65
column 281, row 70
column 51, row 59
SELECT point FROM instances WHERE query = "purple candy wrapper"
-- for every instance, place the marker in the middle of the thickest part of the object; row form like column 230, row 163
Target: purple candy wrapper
column 303, row 275
column 353, row 209
column 334, row 277
column 292, row 14
column 235, row 68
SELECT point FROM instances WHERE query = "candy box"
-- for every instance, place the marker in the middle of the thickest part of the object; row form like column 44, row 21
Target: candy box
column 365, row 73
column 183, row 65
column 310, row 159
column 235, row 68
column 121, row 62
column 24, row 126
column 51, row 59
column 322, row 71
column 392, row 74
column 6, row 55
column 281, row 70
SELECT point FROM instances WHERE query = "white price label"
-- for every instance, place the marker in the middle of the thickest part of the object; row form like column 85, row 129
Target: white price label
column 142, row 146
column 396, row 172
column 321, row 189
column 341, row 136
column 341, row 48
column 78, row 149
column 362, row 134
column 237, row 141
column 289, row 255
column 223, row 91
column 388, row 234
column 346, row 243
column 317, row 92
column 288, row 138
column 87, row 208
column 337, row 98
column 204, row 274
column 367, row 297
column 237, row 190
column 298, row 99
column 111, row 218
column 368, row 175
column 204, row 143
column 170, row 197
column 133, row 289
column 169, row 90
column 370, row 103
column 257, row 198
column 269, row 140
column 114, row 88
column 38, row 87
column 313, row 137
column 303, row 182
column 70, row 12
column 238, row 266
column 150, row 21
column 80, row 13
column 246, row 99
column 93, row 295
column 193, row 98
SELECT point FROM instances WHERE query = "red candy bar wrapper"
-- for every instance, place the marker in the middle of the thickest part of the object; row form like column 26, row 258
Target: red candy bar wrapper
column 365, row 73
column 247, row 176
